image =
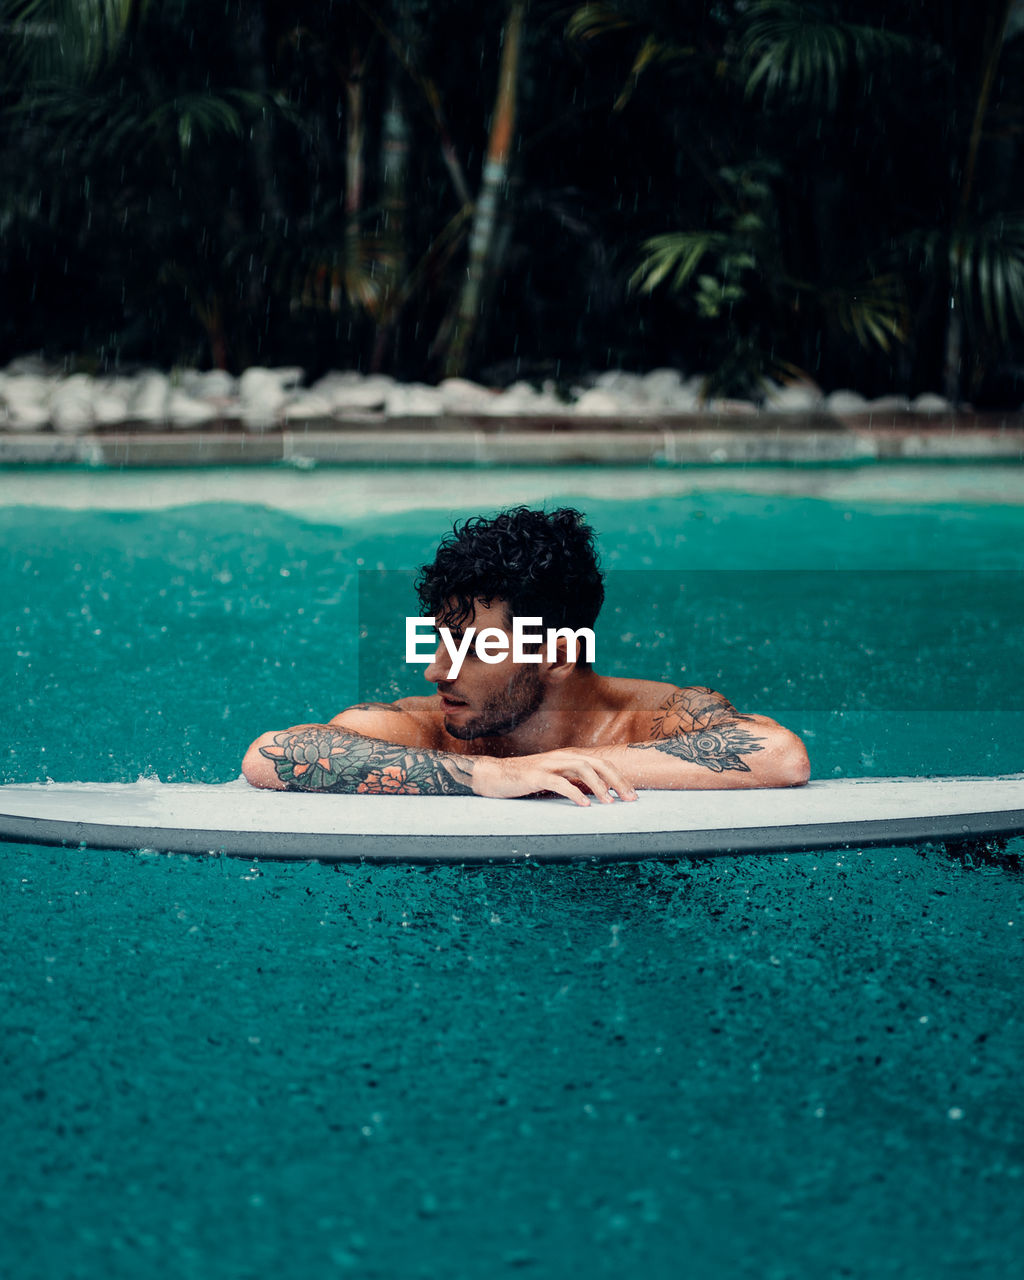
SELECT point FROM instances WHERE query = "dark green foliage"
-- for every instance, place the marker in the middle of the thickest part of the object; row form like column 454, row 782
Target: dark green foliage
column 742, row 189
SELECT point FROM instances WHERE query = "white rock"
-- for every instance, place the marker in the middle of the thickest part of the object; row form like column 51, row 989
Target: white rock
column 658, row 380
column 79, row 384
column 326, row 385
column 287, row 377
column 124, row 388
column 600, row 403
column 31, row 366
column 459, row 395
column 27, row 415
column 109, row 408
column 889, row 404
column 256, row 382
column 797, row 397
column 928, row 402
column 513, row 401
column 632, row 391
column 262, row 397
column 307, row 405
column 184, row 411
column 24, row 399
column 26, row 388
column 360, row 400
column 71, row 409
column 845, row 402
column 662, row 388
column 71, row 415
column 354, row 392
column 667, row 393
column 413, row 400
column 152, row 392
column 261, row 414
column 209, row 383
column 627, row 385
column 687, row 402
column 522, row 400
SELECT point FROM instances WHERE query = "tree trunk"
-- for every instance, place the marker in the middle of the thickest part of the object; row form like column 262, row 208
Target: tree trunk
column 491, row 186
column 401, row 39
column 357, row 287
column 394, row 178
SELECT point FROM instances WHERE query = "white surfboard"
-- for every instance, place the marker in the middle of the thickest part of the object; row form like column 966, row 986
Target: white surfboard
column 234, row 818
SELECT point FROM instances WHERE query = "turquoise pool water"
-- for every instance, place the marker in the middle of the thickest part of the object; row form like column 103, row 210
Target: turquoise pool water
column 794, row 1067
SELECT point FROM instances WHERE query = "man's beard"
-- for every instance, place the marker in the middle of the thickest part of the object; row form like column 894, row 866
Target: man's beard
column 504, row 711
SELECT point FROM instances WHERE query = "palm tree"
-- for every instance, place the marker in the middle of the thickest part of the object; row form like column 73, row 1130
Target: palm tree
column 102, row 104
column 492, row 184
column 740, row 273
column 984, row 253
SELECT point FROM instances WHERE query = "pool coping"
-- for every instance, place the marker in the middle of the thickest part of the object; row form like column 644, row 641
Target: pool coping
column 569, row 439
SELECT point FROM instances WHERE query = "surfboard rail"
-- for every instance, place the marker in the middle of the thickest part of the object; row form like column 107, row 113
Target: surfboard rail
column 240, row 821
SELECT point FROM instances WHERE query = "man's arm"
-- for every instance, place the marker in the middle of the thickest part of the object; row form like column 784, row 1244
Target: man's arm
column 335, row 758
column 328, row 757
column 699, row 741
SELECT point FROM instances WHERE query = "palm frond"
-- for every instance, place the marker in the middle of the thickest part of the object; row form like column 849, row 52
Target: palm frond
column 986, row 264
column 798, row 52
column 599, row 18
column 69, row 39
column 653, row 52
column 874, row 311
column 596, row 19
column 109, row 122
column 210, row 114
column 673, row 258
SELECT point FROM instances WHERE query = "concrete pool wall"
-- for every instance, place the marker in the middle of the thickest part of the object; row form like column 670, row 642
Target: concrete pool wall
column 672, row 440
column 338, row 493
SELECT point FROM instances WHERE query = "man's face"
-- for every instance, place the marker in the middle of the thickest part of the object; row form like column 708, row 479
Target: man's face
column 487, row 700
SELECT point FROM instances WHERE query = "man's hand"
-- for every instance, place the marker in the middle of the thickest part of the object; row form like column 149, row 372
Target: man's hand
column 567, row 771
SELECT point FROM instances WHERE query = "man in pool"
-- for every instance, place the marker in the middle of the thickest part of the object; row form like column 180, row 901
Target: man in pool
column 548, row 722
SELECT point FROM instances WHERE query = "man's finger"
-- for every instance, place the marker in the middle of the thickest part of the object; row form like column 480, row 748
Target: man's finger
column 555, row 782
column 588, row 774
column 625, row 790
column 609, row 777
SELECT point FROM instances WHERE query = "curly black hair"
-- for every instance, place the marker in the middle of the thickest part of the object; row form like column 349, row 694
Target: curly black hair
column 542, row 564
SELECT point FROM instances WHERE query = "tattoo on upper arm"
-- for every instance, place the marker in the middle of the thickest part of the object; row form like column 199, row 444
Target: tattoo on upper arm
column 685, row 710
column 375, row 706
column 702, row 727
column 326, row 758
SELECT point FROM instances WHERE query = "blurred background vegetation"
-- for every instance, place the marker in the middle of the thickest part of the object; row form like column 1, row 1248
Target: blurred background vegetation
column 520, row 190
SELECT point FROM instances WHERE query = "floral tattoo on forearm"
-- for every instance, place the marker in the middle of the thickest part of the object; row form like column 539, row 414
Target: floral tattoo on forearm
column 704, row 728
column 322, row 758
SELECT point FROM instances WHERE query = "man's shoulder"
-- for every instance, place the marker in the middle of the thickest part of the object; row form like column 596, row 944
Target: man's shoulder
column 690, row 708
column 658, row 709
column 414, row 722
